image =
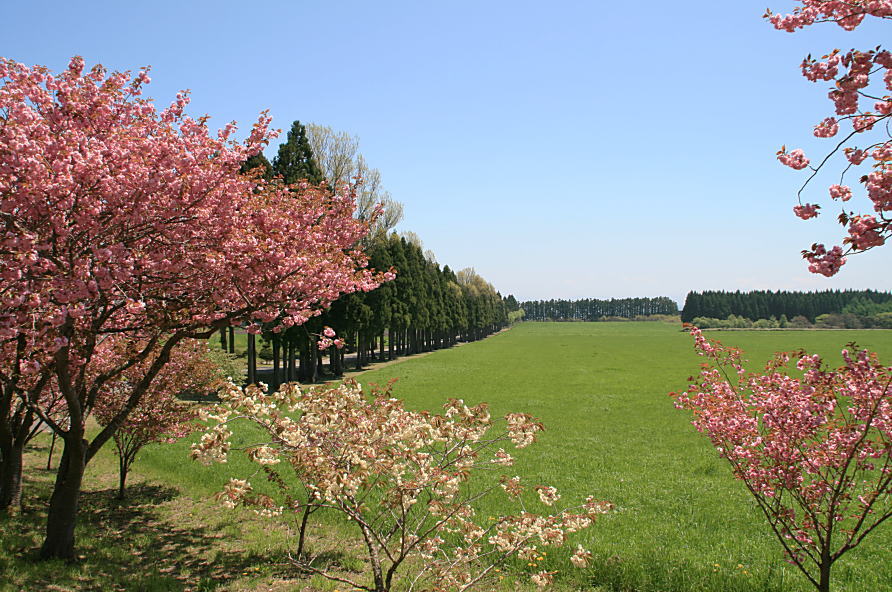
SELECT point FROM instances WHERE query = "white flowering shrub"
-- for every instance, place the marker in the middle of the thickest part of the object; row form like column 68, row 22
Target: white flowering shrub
column 401, row 477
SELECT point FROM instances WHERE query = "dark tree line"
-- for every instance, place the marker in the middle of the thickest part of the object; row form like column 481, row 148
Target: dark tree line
column 591, row 309
column 422, row 309
column 764, row 304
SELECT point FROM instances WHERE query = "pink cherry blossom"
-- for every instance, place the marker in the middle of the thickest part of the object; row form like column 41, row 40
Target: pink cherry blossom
column 806, row 211
column 840, row 192
column 795, row 159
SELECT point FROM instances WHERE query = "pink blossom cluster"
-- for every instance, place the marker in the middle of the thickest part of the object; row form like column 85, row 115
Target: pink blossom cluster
column 840, row 192
column 329, row 339
column 824, row 262
column 848, row 14
column 806, row 211
column 856, row 75
column 814, row 450
column 827, row 128
column 796, row 159
column 865, row 232
column 400, row 476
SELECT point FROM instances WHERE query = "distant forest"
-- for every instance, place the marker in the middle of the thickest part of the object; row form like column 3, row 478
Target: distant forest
column 764, row 304
column 591, row 309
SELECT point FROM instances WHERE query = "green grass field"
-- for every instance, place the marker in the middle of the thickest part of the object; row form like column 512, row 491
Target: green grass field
column 611, row 430
column 682, row 524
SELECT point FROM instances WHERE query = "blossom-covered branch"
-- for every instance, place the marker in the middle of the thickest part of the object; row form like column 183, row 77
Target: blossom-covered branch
column 862, row 81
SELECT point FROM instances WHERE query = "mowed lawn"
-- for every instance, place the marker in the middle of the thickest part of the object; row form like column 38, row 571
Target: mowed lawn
column 683, row 523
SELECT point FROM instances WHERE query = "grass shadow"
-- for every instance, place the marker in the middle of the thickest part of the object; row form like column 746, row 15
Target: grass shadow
column 128, row 545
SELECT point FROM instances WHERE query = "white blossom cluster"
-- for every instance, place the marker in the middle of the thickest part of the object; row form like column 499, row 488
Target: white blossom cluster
column 399, row 475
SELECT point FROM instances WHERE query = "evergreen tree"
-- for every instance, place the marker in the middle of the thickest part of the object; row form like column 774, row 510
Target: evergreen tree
column 294, row 162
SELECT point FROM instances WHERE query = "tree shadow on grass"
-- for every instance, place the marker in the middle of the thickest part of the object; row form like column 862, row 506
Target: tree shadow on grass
column 128, row 545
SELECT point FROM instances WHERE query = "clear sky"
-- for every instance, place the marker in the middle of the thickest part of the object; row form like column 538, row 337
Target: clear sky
column 563, row 149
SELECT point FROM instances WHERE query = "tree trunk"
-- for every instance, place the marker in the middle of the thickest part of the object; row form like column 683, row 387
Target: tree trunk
column 11, row 479
column 307, row 362
column 826, row 564
column 123, row 469
column 231, row 339
column 274, row 383
column 62, row 517
column 223, row 345
column 49, row 457
column 252, row 359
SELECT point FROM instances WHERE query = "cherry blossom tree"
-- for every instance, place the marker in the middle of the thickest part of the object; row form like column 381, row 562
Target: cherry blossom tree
column 814, row 451
column 862, row 81
column 123, row 220
column 400, row 477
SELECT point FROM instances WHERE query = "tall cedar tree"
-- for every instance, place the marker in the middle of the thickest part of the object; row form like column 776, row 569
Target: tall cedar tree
column 294, row 162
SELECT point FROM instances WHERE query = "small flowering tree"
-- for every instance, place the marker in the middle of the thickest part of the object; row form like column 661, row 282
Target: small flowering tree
column 815, row 452
column 862, row 81
column 402, row 478
column 159, row 416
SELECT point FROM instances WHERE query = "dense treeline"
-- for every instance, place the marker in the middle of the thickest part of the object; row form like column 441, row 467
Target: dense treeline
column 591, row 309
column 422, row 309
column 763, row 304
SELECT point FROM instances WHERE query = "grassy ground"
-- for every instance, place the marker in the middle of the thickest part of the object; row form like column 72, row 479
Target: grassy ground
column 682, row 524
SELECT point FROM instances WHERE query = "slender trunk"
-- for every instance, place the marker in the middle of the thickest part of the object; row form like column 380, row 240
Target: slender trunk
column 231, row 340
column 826, row 564
column 252, row 359
column 122, row 475
column 307, row 362
column 291, row 375
column 49, row 458
column 62, row 517
column 314, row 358
column 302, row 532
column 274, row 383
column 334, row 361
column 223, row 345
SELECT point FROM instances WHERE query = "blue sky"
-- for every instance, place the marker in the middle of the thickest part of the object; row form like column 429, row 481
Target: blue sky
column 562, row 149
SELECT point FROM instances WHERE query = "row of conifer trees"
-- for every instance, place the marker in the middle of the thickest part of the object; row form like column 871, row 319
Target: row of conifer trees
column 592, row 309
